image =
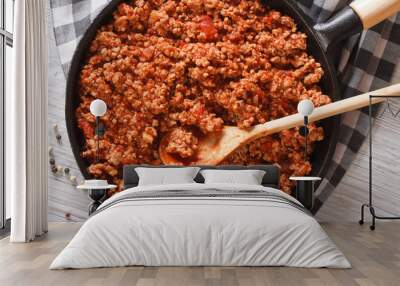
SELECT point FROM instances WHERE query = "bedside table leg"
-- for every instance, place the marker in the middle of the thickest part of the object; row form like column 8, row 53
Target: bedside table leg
column 305, row 193
column 97, row 195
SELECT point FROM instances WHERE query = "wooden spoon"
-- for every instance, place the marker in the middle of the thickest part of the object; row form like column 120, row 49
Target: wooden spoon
column 215, row 147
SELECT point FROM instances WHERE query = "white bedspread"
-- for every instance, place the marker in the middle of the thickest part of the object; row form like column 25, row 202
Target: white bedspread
column 200, row 231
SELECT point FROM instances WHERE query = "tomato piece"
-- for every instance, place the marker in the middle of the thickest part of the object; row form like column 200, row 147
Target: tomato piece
column 199, row 110
column 268, row 20
column 266, row 146
column 208, row 28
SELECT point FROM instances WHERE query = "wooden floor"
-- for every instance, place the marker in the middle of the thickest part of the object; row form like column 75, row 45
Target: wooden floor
column 375, row 257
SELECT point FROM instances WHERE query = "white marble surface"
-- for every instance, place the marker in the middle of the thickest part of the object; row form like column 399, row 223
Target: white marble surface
column 68, row 203
column 307, row 178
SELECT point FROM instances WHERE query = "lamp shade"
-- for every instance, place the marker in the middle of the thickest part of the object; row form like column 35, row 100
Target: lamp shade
column 305, row 107
column 98, row 107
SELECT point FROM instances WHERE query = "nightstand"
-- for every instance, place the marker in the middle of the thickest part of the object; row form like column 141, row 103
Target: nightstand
column 305, row 190
column 97, row 191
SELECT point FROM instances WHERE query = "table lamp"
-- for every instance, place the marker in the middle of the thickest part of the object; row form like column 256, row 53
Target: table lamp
column 305, row 108
column 98, row 108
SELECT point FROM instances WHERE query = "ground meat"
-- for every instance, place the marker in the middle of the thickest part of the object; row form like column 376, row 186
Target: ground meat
column 192, row 67
column 182, row 143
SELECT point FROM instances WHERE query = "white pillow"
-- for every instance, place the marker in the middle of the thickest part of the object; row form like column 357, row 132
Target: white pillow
column 248, row 177
column 165, row 176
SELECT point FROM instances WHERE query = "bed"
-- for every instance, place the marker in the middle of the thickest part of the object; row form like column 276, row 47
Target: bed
column 201, row 224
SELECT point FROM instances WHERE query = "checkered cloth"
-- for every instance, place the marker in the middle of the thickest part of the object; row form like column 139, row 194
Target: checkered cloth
column 367, row 62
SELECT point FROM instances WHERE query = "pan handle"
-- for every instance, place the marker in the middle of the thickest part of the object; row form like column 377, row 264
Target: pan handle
column 359, row 15
column 373, row 12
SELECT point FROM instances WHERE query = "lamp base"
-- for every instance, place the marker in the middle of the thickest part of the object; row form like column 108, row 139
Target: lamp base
column 303, row 130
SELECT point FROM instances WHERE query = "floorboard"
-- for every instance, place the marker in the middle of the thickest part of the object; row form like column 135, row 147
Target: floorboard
column 374, row 255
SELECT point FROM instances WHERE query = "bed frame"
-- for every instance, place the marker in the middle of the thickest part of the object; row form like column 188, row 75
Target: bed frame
column 271, row 178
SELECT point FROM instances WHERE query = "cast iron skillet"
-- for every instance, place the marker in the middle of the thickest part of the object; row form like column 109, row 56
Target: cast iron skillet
column 322, row 38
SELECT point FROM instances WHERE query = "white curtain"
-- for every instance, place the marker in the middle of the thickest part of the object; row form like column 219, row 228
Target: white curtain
column 27, row 123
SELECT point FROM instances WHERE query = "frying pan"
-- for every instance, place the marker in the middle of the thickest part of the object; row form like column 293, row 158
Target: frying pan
column 322, row 40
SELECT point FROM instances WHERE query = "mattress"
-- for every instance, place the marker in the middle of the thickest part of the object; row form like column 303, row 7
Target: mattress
column 201, row 225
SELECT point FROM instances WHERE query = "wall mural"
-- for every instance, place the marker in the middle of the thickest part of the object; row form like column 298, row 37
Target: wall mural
column 164, row 71
column 174, row 70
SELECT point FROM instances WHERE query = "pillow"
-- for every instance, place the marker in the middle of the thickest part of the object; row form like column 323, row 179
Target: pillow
column 248, row 177
column 164, row 176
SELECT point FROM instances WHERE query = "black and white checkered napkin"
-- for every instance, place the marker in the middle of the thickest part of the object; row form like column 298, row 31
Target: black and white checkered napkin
column 367, row 62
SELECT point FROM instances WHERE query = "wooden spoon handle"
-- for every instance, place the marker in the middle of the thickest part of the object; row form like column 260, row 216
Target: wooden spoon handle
column 374, row 11
column 323, row 112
